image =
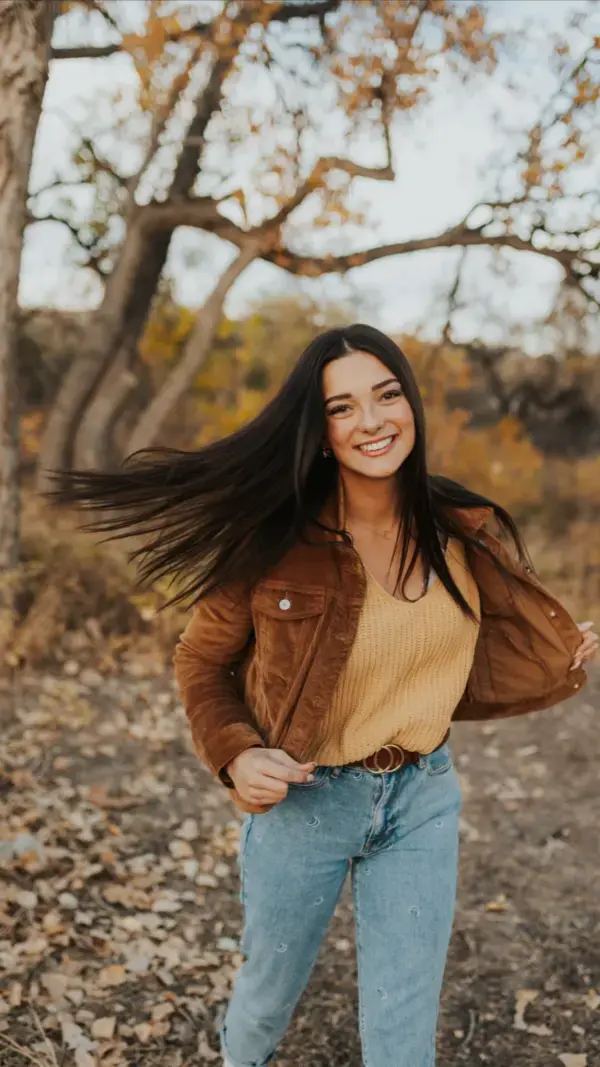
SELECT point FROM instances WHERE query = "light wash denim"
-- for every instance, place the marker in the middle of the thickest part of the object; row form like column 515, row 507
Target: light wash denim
column 398, row 835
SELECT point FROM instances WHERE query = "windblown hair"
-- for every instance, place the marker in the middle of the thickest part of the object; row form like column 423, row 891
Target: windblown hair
column 230, row 511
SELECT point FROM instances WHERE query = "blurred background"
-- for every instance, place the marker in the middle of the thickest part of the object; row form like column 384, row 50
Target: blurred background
column 189, row 192
column 212, row 184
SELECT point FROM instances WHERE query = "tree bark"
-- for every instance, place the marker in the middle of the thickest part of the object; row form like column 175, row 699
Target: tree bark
column 25, row 33
column 79, row 425
column 93, row 446
column 195, row 352
column 118, row 374
column 105, row 335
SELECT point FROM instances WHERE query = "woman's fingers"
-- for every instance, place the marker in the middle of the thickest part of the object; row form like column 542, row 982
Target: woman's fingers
column 261, row 775
column 588, row 647
column 266, row 798
column 279, row 765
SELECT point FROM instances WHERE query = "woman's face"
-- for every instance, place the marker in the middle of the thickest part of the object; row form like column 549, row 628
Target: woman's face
column 370, row 426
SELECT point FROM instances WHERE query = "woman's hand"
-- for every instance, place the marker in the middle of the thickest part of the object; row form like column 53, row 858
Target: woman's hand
column 261, row 775
column 588, row 647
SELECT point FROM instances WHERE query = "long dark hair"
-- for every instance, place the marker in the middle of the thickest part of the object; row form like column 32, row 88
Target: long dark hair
column 230, row 511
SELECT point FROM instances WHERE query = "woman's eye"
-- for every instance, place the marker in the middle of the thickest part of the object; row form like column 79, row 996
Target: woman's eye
column 392, row 394
column 339, row 410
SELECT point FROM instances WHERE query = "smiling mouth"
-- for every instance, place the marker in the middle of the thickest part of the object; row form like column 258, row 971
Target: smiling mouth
column 377, row 448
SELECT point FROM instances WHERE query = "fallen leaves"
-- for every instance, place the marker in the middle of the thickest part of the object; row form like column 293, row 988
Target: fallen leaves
column 121, row 887
column 105, row 908
column 55, row 984
column 101, row 798
column 500, row 903
column 127, row 895
column 104, row 1027
column 113, row 975
column 592, row 999
column 524, row 998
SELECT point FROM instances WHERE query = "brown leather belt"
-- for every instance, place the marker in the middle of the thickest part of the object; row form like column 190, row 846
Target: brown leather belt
column 391, row 758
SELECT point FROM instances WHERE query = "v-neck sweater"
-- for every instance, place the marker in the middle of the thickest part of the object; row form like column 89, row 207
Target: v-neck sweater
column 407, row 669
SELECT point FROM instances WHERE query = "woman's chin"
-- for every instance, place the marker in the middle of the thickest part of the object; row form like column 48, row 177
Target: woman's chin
column 385, row 467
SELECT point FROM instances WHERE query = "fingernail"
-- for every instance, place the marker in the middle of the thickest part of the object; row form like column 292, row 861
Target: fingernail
column 310, row 778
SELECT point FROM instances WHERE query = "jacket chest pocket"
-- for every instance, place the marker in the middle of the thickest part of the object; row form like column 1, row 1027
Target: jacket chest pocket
column 287, row 624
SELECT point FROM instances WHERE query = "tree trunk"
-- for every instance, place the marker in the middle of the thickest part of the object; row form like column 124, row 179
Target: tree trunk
column 92, row 443
column 74, row 434
column 25, row 33
column 105, row 333
column 96, row 417
column 106, row 424
column 195, row 352
column 126, row 413
column 118, row 375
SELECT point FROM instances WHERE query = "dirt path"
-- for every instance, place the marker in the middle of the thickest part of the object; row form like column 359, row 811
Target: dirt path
column 121, row 912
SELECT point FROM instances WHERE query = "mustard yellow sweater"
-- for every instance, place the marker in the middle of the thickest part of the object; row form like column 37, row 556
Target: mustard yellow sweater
column 407, row 669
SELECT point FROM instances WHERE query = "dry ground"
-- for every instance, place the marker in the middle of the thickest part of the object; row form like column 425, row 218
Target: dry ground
column 121, row 912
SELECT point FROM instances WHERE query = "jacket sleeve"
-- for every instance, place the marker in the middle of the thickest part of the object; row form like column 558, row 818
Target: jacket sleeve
column 213, row 641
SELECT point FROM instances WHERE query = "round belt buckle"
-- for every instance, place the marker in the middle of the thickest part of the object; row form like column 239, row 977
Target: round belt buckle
column 385, row 770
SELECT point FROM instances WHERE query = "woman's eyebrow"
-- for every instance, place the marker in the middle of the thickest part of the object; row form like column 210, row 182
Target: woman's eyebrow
column 348, row 396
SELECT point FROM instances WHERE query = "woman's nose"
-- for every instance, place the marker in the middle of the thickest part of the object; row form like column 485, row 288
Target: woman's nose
column 370, row 421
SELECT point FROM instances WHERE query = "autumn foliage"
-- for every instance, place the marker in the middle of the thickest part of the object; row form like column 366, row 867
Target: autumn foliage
column 74, row 590
column 281, row 177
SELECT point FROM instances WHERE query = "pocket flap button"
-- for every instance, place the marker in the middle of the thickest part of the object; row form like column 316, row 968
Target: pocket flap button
column 285, row 604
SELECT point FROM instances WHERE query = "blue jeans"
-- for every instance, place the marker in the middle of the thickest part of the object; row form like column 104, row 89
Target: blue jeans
column 398, row 835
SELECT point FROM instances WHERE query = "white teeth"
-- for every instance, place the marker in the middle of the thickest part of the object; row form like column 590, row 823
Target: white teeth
column 377, row 447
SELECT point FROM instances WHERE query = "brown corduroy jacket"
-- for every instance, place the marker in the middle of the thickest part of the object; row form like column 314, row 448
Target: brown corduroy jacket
column 259, row 667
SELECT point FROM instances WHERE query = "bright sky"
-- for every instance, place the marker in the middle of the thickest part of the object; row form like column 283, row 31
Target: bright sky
column 440, row 160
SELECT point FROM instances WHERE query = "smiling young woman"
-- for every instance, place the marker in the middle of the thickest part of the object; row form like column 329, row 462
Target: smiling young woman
column 349, row 606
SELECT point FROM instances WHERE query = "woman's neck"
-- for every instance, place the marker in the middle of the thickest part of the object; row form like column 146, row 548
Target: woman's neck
column 368, row 502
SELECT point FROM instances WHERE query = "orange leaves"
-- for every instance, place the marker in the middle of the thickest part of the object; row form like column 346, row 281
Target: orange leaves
column 498, row 460
column 466, row 37
column 168, row 328
column 564, row 136
column 31, row 426
column 148, row 49
column 587, row 92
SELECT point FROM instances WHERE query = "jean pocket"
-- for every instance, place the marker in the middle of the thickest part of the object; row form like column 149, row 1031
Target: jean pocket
column 440, row 761
column 321, row 776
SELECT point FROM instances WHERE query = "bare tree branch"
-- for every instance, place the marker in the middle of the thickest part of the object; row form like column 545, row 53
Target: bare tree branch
column 31, row 219
column 203, row 213
column 285, row 13
column 59, row 183
column 453, row 297
column 164, row 112
column 89, row 247
column 314, row 266
column 96, row 5
column 101, row 51
column 198, row 211
column 289, row 11
column 100, row 162
column 314, row 180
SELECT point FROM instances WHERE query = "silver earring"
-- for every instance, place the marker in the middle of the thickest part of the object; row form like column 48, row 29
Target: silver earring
column 327, row 452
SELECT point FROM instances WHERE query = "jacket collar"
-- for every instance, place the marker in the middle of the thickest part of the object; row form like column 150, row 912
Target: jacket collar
column 471, row 520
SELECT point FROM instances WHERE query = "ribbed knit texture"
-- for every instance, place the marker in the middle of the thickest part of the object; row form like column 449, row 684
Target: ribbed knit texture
column 407, row 669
